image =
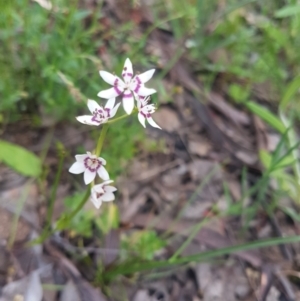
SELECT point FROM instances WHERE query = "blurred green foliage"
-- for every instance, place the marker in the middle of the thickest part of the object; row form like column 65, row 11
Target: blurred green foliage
column 36, row 44
column 143, row 244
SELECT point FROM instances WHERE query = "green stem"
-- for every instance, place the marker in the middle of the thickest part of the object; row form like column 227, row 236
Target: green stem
column 47, row 230
column 81, row 204
column 53, row 193
column 135, row 110
column 138, row 266
column 117, row 119
column 101, row 140
column 194, row 232
column 20, row 206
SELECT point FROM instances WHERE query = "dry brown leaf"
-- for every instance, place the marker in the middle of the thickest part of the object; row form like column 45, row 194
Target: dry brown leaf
column 167, row 119
column 200, row 147
column 234, row 115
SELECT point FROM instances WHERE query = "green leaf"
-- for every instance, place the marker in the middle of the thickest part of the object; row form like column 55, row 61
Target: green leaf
column 290, row 92
column 288, row 11
column 267, row 160
column 266, row 115
column 20, row 159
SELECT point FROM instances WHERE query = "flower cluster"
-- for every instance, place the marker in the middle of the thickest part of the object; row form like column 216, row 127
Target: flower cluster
column 131, row 88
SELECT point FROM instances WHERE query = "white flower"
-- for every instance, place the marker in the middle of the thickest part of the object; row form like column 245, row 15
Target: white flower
column 90, row 165
column 102, row 193
column 100, row 114
column 145, row 111
column 129, row 87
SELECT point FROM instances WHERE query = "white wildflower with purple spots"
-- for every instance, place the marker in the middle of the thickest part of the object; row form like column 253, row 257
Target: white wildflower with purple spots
column 130, row 87
column 99, row 115
column 90, row 165
column 145, row 112
column 102, row 193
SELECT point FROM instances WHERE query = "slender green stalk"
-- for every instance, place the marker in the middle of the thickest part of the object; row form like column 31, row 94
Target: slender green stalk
column 101, row 140
column 47, row 230
column 81, row 204
column 191, row 199
column 117, row 119
column 53, row 192
column 121, row 117
column 20, row 206
column 186, row 243
column 132, row 267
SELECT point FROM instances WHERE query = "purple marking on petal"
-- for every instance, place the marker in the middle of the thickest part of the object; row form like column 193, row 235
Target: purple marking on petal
column 143, row 114
column 117, row 90
column 129, row 74
column 125, row 68
column 89, row 163
column 127, row 95
column 138, row 80
column 123, row 74
column 137, row 88
column 148, row 115
column 95, row 119
column 107, row 111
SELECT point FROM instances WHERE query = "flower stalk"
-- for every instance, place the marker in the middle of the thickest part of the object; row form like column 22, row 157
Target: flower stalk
column 101, row 140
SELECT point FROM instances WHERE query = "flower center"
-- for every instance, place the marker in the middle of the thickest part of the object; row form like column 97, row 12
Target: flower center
column 99, row 115
column 92, row 164
column 99, row 194
column 147, row 110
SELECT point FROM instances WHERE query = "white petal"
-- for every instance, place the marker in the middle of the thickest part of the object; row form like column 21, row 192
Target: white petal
column 144, row 77
column 77, row 167
column 107, row 77
column 89, row 176
column 128, row 103
column 103, row 174
column 92, row 105
column 110, row 93
column 153, row 123
column 114, row 110
column 103, row 161
column 108, row 197
column 142, row 119
column 128, row 65
column 97, row 202
column 112, row 79
column 110, row 188
column 139, row 103
column 106, row 183
column 127, row 72
column 110, row 103
column 98, row 188
column 80, row 158
column 143, row 91
column 87, row 119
